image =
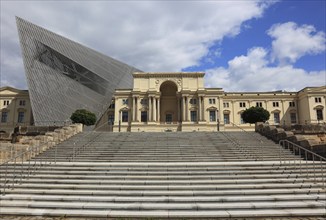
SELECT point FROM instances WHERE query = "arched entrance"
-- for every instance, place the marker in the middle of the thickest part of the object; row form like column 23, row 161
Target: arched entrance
column 169, row 103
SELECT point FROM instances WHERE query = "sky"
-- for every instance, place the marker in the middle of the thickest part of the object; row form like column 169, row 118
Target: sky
column 241, row 45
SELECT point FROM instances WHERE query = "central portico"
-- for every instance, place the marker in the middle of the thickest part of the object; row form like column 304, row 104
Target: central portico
column 165, row 102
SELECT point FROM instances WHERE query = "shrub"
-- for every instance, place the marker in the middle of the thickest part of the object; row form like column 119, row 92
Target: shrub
column 255, row 114
column 83, row 116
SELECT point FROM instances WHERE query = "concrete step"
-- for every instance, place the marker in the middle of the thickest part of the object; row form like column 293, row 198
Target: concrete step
column 172, row 199
column 164, row 206
column 261, row 213
column 175, row 175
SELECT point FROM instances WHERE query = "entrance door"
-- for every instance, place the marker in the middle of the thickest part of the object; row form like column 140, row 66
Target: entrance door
column 168, row 118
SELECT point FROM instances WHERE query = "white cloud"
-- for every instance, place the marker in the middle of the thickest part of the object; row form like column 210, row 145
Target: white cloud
column 252, row 73
column 152, row 36
column 292, row 41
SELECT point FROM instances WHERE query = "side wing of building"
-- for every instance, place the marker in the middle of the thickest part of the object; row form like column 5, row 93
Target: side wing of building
column 63, row 75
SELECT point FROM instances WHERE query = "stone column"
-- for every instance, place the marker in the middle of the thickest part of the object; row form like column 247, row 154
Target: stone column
column 158, row 110
column 199, row 109
column 149, row 108
column 183, row 108
column 133, row 108
column 203, row 110
column 178, row 106
column 187, row 109
column 136, row 108
column 155, row 109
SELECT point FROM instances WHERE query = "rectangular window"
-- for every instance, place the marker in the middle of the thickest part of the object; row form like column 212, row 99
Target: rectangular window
column 318, row 99
column 193, row 101
column 275, row 104
column 143, row 117
column 259, row 104
column 22, row 102
column 226, row 118
column 319, row 113
column 241, row 119
column 125, row 101
column 4, row 117
column 193, row 115
column 276, row 118
column 111, row 119
column 242, row 104
column 21, row 117
column 212, row 115
column 293, row 117
column 211, row 101
column 124, row 116
column 5, row 102
column 292, row 104
column 226, row 105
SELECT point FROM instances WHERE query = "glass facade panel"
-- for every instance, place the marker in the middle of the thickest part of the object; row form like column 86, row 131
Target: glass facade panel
column 63, row 75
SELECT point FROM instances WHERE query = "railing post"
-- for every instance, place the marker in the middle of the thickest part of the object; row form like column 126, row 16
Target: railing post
column 313, row 159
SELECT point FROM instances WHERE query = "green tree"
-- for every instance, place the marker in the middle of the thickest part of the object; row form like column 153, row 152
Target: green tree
column 255, row 114
column 83, row 116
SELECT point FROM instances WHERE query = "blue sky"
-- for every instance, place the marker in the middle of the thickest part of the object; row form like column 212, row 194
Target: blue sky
column 254, row 34
column 241, row 45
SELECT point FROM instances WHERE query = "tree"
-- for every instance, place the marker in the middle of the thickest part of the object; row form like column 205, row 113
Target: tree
column 83, row 116
column 255, row 114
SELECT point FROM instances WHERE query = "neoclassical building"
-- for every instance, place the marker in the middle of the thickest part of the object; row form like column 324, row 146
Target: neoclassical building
column 179, row 102
column 15, row 108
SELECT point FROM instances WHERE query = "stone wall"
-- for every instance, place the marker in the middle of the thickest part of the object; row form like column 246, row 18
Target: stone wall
column 39, row 143
column 315, row 142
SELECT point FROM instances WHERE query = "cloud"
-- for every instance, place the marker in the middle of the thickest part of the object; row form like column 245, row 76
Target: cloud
column 251, row 73
column 152, row 36
column 290, row 41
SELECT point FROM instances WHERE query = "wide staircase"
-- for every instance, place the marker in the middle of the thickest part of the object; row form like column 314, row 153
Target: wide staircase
column 165, row 175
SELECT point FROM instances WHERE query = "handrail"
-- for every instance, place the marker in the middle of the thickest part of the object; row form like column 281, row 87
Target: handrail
column 261, row 141
column 78, row 150
column 246, row 132
column 31, row 152
column 286, row 144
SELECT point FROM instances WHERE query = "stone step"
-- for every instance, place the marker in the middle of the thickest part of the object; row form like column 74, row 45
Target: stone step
column 164, row 206
column 170, row 187
column 126, row 177
column 280, row 212
column 167, row 192
column 149, row 182
column 175, row 175
column 175, row 199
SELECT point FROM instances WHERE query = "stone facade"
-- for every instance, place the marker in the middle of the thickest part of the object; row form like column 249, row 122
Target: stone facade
column 180, row 102
column 15, row 108
column 39, row 143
